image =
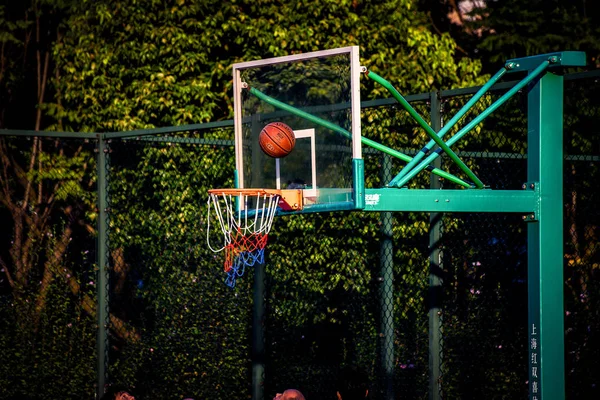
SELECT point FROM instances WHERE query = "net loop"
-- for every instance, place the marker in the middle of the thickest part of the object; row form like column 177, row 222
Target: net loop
column 245, row 217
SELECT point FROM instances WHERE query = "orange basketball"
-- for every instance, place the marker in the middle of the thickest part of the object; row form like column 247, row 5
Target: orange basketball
column 277, row 139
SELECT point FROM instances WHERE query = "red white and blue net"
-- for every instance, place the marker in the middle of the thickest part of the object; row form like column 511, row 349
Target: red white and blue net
column 245, row 217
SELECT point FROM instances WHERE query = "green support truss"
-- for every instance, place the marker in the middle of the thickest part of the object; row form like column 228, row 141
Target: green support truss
column 540, row 200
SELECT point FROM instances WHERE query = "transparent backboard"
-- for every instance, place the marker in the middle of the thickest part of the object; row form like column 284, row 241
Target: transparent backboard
column 317, row 95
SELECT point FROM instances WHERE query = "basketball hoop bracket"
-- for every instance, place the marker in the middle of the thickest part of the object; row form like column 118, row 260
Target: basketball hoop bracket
column 289, row 199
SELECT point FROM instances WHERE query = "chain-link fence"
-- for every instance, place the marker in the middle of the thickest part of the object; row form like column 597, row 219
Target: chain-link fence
column 427, row 305
column 48, row 268
column 581, row 235
column 484, row 263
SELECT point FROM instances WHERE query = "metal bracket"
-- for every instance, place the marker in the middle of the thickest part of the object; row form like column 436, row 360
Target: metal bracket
column 555, row 60
column 530, row 217
column 535, row 187
column 290, row 199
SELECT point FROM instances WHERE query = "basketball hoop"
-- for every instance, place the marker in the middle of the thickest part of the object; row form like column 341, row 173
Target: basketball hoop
column 245, row 217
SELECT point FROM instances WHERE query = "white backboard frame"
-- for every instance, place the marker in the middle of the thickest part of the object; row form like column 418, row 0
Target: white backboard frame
column 355, row 71
column 303, row 134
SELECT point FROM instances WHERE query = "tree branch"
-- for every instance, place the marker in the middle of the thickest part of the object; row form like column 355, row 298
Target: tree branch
column 42, row 90
column 50, row 265
column 58, row 95
column 37, row 51
column 456, row 10
column 4, row 178
column 118, row 326
column 40, row 188
column 31, row 166
column 11, row 282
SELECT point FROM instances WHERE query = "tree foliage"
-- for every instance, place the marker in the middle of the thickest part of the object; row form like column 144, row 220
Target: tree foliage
column 168, row 63
column 495, row 31
column 124, row 64
column 512, row 29
column 127, row 65
column 46, row 204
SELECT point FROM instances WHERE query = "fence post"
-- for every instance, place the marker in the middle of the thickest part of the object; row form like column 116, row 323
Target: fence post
column 258, row 289
column 386, row 295
column 258, row 332
column 545, row 239
column 435, row 275
column 102, row 280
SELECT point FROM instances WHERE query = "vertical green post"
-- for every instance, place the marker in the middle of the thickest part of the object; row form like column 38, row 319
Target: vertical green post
column 258, row 332
column 545, row 247
column 102, row 262
column 258, row 290
column 386, row 294
column 435, row 277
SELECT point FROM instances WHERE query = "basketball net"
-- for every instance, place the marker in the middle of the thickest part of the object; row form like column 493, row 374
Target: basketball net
column 245, row 217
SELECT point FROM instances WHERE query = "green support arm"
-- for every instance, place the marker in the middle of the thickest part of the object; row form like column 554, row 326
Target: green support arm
column 430, row 132
column 326, row 124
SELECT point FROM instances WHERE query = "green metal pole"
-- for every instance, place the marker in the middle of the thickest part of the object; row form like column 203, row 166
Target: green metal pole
column 430, row 132
column 386, row 293
column 545, row 240
column 258, row 333
column 368, row 142
column 258, row 292
column 435, row 276
column 103, row 265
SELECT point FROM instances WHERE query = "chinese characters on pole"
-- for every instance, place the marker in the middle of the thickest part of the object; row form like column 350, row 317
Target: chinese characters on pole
column 534, row 372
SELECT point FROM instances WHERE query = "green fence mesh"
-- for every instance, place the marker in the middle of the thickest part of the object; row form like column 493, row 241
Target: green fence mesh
column 184, row 332
column 484, row 264
column 581, row 235
column 429, row 306
column 48, row 268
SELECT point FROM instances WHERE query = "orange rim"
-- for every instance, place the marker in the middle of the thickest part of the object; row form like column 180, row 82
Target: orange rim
column 245, row 192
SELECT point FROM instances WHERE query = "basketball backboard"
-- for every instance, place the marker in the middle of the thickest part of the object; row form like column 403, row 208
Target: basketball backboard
column 317, row 94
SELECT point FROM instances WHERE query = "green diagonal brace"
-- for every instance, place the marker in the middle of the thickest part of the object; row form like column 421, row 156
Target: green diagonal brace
column 430, row 132
column 326, row 124
column 425, row 163
column 446, row 128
